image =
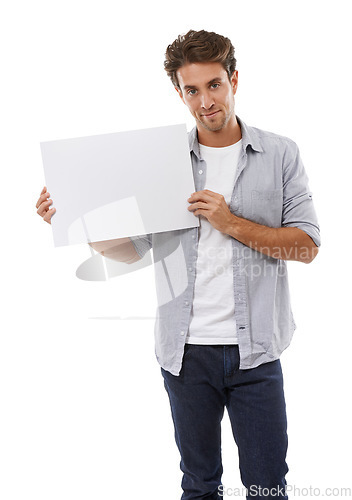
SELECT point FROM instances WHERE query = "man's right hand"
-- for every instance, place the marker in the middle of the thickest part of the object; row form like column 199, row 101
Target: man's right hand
column 43, row 205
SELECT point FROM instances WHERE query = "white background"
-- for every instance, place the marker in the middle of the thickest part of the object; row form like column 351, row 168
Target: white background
column 84, row 414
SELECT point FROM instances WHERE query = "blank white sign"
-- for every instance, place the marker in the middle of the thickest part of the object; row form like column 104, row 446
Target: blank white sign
column 121, row 184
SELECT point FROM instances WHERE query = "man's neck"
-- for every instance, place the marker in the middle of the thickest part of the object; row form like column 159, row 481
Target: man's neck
column 227, row 136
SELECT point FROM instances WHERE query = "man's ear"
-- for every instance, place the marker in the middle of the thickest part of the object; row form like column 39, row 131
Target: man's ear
column 234, row 81
column 179, row 91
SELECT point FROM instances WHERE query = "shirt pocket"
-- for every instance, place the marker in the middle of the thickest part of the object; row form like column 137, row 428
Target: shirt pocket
column 266, row 207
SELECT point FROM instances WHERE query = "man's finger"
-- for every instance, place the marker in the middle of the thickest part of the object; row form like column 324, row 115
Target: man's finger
column 198, row 204
column 42, row 198
column 204, row 195
column 49, row 214
column 43, row 207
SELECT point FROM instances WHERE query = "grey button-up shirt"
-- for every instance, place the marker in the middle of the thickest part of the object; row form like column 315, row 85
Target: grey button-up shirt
column 270, row 188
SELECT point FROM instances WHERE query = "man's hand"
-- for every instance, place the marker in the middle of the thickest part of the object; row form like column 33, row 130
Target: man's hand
column 43, row 205
column 213, row 207
column 287, row 243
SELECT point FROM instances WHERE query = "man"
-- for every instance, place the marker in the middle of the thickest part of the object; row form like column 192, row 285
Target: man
column 224, row 314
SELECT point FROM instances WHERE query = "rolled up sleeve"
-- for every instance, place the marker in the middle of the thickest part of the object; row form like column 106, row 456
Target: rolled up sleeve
column 142, row 244
column 298, row 208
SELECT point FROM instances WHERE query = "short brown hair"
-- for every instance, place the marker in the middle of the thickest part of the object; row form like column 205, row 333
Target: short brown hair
column 199, row 46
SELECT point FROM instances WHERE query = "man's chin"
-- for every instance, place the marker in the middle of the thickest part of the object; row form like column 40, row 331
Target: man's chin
column 211, row 128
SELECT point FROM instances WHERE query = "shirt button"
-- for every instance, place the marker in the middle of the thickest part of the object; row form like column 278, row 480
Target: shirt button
column 193, row 236
column 186, row 303
column 182, row 333
column 190, row 269
column 200, row 171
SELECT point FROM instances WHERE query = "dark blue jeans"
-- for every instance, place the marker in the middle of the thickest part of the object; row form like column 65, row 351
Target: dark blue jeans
column 210, row 379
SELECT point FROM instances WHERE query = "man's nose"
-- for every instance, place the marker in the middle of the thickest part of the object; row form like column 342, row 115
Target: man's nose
column 207, row 100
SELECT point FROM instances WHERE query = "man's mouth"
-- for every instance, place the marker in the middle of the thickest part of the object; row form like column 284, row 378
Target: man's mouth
column 210, row 115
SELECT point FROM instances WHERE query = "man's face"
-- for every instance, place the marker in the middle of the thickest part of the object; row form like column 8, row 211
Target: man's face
column 208, row 93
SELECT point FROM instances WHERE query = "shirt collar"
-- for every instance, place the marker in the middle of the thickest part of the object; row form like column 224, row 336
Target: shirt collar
column 249, row 137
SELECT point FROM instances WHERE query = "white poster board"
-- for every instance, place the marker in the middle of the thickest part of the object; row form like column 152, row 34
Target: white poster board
column 120, row 184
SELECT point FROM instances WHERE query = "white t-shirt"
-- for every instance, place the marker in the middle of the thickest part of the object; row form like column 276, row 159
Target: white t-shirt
column 212, row 315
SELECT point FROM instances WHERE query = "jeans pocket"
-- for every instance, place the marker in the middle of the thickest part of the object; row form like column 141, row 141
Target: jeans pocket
column 187, row 349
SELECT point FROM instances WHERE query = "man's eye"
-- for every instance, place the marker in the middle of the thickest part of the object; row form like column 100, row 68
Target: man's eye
column 215, row 85
column 191, row 91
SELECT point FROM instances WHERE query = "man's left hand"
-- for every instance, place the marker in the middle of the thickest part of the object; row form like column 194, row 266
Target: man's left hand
column 213, row 207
